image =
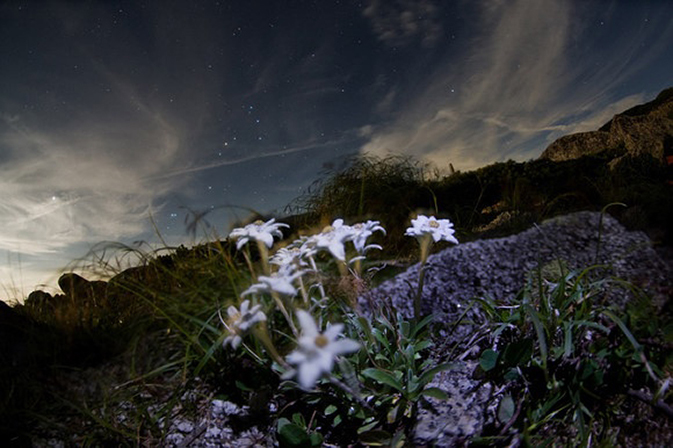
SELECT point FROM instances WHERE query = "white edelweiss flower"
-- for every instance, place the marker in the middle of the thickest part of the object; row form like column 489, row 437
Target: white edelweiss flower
column 361, row 232
column 332, row 238
column 316, row 351
column 239, row 322
column 258, row 231
column 280, row 282
column 440, row 229
column 288, row 256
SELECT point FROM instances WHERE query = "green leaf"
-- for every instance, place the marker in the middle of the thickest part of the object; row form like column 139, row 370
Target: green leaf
column 299, row 419
column 366, row 328
column 568, row 341
column 435, row 392
column 517, row 353
column 428, row 375
column 637, row 347
column 422, row 324
column 597, row 326
column 405, row 328
column 506, row 409
column 381, row 338
column 512, row 374
column 331, row 409
column 243, row 387
column 488, row 359
column 412, row 383
column 376, row 437
column 291, row 435
column 316, row 439
column 409, row 353
column 368, row 426
column 381, row 357
column 336, row 421
column 422, row 345
column 391, row 417
column 386, row 324
column 539, row 329
column 349, row 374
column 383, row 377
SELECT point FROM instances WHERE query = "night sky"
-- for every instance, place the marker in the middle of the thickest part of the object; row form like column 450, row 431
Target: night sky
column 115, row 115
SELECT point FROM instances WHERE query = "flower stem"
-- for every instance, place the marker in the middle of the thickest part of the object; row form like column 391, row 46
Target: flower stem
column 417, row 299
column 248, row 261
column 283, row 310
column 349, row 391
column 425, row 243
column 262, row 335
column 315, row 269
column 264, row 257
column 302, row 288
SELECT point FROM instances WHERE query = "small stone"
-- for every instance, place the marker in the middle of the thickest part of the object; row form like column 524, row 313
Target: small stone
column 224, row 407
column 213, row 433
column 185, row 427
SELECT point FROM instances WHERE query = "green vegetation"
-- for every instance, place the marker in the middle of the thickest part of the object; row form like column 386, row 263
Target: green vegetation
column 108, row 363
column 564, row 355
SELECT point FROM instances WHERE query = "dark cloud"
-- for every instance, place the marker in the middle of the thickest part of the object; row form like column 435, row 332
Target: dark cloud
column 403, row 22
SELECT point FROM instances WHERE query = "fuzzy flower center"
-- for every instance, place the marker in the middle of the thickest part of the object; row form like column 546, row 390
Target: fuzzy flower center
column 233, row 322
column 434, row 224
column 259, row 222
column 328, row 229
column 321, row 341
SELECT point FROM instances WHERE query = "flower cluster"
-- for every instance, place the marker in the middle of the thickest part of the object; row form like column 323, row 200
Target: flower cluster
column 316, row 351
column 333, row 238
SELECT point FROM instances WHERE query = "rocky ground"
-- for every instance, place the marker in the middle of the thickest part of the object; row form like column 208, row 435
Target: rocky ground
column 495, row 268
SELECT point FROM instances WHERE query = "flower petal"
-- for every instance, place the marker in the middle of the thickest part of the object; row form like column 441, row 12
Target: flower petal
column 266, row 238
column 333, row 331
column 343, row 346
column 241, row 242
column 324, row 361
column 308, row 375
column 296, row 357
column 308, row 325
column 232, row 311
column 337, row 249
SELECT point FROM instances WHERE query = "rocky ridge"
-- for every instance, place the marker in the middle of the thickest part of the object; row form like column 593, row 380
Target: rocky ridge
column 643, row 129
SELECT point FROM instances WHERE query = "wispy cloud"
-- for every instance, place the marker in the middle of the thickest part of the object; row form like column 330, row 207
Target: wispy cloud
column 524, row 82
column 81, row 146
column 84, row 183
